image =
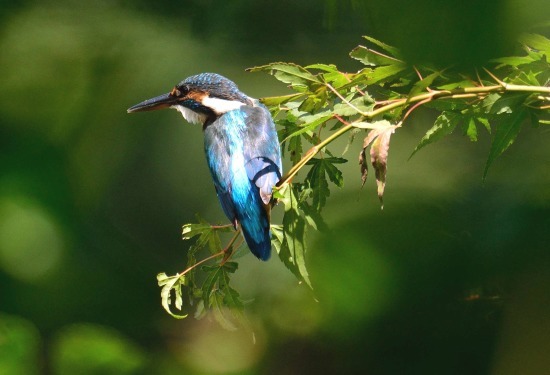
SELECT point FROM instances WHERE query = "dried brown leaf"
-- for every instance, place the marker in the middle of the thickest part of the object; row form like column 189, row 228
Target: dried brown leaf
column 379, row 159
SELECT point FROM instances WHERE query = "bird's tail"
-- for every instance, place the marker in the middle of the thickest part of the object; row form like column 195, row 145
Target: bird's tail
column 257, row 235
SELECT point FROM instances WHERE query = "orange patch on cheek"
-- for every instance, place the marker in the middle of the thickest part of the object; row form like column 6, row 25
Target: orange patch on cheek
column 196, row 96
column 175, row 92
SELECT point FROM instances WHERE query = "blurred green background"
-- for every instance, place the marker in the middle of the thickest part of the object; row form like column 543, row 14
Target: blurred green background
column 452, row 277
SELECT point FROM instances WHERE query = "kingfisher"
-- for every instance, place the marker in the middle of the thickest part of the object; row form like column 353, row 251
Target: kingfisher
column 241, row 146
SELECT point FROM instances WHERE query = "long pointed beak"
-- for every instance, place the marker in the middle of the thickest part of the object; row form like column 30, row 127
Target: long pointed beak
column 159, row 102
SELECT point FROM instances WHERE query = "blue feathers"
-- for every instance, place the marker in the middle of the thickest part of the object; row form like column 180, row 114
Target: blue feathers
column 241, row 145
column 242, row 151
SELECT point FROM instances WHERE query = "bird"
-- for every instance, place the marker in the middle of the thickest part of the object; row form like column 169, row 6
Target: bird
column 241, row 146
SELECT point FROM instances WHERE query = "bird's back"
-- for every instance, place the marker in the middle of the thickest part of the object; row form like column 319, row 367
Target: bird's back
column 243, row 155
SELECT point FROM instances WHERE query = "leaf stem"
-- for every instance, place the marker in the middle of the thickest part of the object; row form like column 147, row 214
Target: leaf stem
column 459, row 93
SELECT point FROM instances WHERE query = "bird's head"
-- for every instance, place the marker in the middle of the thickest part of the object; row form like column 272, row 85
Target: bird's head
column 199, row 98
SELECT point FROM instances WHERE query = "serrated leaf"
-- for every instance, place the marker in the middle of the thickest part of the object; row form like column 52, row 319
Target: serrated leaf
column 316, row 178
column 370, row 57
column 423, row 84
column 537, row 42
column 508, row 102
column 455, row 85
column 191, row 230
column 293, row 247
column 327, row 68
column 278, row 100
column 485, row 122
column 513, row 61
column 361, row 104
column 314, row 218
column 384, row 73
column 470, row 129
column 169, row 284
column 277, row 237
column 333, row 173
column 295, row 149
column 219, row 310
column 379, row 160
column 444, row 125
column 292, row 74
column 314, row 101
column 505, row 134
column 317, row 181
column 392, row 50
column 209, row 284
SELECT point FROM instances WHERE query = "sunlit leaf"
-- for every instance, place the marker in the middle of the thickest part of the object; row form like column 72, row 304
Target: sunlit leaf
column 507, row 103
column 169, row 284
column 288, row 73
column 537, row 42
column 384, row 73
column 513, row 60
column 278, row 100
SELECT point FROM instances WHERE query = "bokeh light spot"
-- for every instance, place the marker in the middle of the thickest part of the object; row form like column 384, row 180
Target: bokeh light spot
column 31, row 243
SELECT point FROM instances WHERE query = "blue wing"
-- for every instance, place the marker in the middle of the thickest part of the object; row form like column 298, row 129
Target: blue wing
column 242, row 150
column 262, row 151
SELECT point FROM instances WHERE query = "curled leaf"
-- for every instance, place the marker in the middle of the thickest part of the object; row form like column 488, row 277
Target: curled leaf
column 169, row 283
column 379, row 159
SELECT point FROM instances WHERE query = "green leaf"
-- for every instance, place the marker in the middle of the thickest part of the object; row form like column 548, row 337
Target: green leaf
column 537, row 42
column 209, row 285
column 316, row 179
column 505, row 134
column 392, row 50
column 333, row 173
column 169, row 283
column 324, row 67
column 485, row 122
column 361, row 104
column 470, row 129
column 455, row 85
column 288, row 73
column 423, row 84
column 384, row 73
column 370, row 57
column 444, row 125
column 313, row 217
column 508, row 103
column 278, row 100
column 216, row 300
column 191, row 230
column 293, row 248
column 513, row 61
column 314, row 101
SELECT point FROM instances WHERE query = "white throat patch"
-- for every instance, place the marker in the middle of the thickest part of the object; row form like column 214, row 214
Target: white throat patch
column 220, row 106
column 189, row 115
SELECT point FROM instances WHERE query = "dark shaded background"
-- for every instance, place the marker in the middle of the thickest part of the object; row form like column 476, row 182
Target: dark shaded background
column 451, row 278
